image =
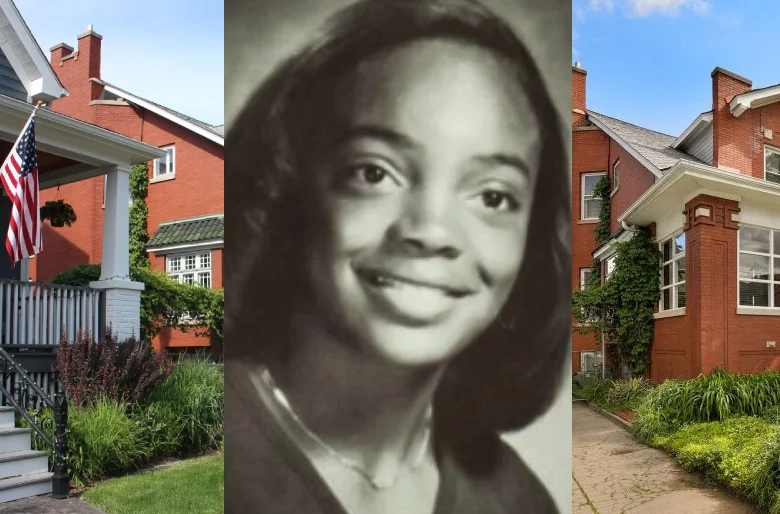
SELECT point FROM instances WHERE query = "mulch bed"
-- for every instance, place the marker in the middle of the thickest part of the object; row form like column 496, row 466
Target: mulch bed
column 627, row 415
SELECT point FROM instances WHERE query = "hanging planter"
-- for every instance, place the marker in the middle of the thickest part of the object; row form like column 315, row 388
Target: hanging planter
column 58, row 213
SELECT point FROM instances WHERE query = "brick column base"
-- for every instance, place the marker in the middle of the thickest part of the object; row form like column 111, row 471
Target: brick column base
column 122, row 306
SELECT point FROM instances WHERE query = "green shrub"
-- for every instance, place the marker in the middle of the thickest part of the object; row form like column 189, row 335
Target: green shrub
column 716, row 397
column 627, row 392
column 740, row 452
column 191, row 398
column 103, row 441
column 596, row 389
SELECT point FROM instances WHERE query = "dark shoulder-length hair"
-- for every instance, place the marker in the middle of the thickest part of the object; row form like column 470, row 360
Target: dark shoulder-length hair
column 510, row 375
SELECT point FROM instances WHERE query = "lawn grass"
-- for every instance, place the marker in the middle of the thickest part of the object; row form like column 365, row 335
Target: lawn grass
column 194, row 485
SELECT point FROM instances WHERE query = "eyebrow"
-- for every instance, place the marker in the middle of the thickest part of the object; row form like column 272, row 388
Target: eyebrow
column 508, row 160
column 399, row 139
column 377, row 132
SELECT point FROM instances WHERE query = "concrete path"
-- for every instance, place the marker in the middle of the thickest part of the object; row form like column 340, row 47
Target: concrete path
column 45, row 504
column 613, row 473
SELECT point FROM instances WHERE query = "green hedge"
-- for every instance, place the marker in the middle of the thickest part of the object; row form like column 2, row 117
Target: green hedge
column 742, row 453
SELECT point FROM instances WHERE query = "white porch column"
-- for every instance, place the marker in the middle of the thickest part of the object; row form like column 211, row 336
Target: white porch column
column 122, row 295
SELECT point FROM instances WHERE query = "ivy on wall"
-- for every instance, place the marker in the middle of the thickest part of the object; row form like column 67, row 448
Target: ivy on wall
column 622, row 307
column 139, row 212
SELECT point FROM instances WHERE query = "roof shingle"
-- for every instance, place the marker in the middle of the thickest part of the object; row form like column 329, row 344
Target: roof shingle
column 654, row 146
column 191, row 230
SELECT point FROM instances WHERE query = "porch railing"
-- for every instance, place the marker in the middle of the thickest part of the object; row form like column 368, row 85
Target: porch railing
column 39, row 314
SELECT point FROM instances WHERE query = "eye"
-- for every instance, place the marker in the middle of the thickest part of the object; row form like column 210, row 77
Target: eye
column 499, row 201
column 373, row 178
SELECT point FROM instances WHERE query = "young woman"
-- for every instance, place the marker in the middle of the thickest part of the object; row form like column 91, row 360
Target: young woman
column 398, row 211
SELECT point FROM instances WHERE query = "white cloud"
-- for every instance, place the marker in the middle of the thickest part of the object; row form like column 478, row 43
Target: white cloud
column 643, row 8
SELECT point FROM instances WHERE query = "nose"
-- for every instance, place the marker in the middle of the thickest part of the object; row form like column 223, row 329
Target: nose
column 425, row 228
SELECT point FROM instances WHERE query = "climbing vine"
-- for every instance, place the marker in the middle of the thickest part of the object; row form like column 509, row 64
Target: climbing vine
column 602, row 190
column 622, row 307
column 139, row 212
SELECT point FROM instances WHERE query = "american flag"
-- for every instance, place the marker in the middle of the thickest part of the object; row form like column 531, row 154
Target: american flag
column 19, row 176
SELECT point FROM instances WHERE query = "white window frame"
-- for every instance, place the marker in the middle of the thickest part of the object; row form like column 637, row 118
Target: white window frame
column 200, row 270
column 616, row 175
column 675, row 283
column 584, row 272
column 156, row 176
column 770, row 150
column 609, row 266
column 773, row 255
column 590, row 197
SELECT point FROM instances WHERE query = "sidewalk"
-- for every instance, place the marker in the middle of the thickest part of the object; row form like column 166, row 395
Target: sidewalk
column 47, row 505
column 613, row 473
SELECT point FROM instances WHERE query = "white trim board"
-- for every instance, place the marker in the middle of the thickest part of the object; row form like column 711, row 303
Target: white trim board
column 26, row 57
column 165, row 114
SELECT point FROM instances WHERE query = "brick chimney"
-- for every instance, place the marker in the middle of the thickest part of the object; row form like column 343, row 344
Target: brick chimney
column 89, row 51
column 578, row 76
column 58, row 52
column 728, row 138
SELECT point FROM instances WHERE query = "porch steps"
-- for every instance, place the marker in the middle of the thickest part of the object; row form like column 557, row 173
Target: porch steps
column 23, row 472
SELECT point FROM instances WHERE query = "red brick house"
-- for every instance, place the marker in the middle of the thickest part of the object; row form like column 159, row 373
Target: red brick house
column 185, row 195
column 711, row 196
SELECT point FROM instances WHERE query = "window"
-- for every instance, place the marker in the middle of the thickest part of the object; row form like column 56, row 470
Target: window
column 609, row 266
column 591, row 206
column 673, row 295
column 166, row 166
column 191, row 268
column 759, row 267
column 772, row 164
column 590, row 362
column 616, row 175
column 585, row 274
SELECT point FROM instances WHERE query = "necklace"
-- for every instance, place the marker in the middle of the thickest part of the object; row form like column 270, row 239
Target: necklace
column 375, row 482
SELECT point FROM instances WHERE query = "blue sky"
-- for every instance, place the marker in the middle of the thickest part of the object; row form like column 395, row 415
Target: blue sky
column 649, row 61
column 168, row 51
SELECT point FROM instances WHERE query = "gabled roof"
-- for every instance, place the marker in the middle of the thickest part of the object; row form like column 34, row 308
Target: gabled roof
column 189, row 231
column 211, row 132
column 26, row 57
column 653, row 149
column 700, row 123
column 755, row 98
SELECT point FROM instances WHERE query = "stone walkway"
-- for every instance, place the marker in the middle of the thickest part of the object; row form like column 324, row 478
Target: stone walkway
column 47, row 505
column 613, row 473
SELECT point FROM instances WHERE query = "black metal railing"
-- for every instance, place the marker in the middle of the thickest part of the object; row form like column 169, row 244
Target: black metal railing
column 27, row 394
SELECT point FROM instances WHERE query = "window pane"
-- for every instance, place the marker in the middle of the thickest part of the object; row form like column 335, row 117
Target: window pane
column 754, row 239
column 189, row 262
column 777, row 242
column 681, row 296
column 777, row 270
column 772, row 162
column 589, row 183
column 753, row 294
column 175, row 278
column 777, row 295
column 667, row 295
column 667, row 280
column 205, row 260
column 753, row 266
column 679, row 244
column 204, row 278
column 773, row 177
column 681, row 270
column 188, row 278
column 174, row 263
column 667, row 250
column 592, row 208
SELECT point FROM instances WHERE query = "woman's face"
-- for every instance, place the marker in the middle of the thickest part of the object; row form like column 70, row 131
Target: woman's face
column 423, row 184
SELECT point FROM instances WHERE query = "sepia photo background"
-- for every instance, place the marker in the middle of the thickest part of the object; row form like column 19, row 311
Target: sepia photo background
column 260, row 33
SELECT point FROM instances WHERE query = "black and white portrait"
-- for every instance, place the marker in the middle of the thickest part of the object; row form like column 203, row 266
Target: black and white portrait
column 398, row 273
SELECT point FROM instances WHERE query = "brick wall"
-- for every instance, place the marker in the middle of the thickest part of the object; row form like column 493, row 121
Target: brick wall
column 635, row 179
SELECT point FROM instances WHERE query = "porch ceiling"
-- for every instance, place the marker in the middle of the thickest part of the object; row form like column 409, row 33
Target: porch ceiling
column 687, row 180
column 69, row 150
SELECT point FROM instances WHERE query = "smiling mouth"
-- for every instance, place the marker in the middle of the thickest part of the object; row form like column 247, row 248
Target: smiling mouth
column 388, row 280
